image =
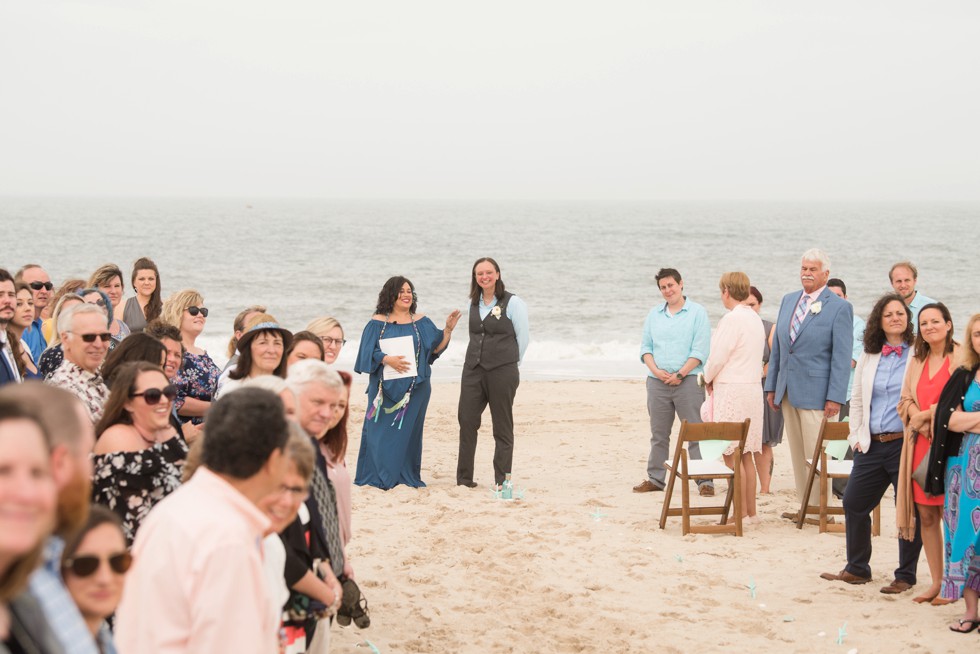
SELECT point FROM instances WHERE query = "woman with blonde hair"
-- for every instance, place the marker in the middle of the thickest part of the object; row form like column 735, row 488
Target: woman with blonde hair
column 197, row 378
column 108, row 278
column 732, row 373
column 331, row 334
column 934, row 358
column 147, row 304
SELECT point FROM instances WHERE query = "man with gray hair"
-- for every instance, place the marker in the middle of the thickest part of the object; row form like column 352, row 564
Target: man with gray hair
column 810, row 361
column 85, row 340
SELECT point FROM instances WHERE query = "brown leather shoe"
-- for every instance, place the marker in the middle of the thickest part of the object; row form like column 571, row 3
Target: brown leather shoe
column 791, row 515
column 846, row 577
column 896, row 587
column 646, row 486
column 706, row 490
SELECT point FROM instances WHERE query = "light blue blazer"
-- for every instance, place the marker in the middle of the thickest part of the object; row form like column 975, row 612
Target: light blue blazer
column 815, row 369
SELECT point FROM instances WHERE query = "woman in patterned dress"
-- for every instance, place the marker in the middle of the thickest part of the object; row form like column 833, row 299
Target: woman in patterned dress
column 138, row 456
column 197, row 379
column 954, row 466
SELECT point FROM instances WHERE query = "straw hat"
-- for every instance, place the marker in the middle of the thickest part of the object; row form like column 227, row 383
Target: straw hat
column 263, row 322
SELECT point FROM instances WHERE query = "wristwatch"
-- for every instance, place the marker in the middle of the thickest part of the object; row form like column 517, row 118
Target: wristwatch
column 680, row 376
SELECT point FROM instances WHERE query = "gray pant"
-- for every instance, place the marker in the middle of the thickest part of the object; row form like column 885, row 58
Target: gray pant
column 663, row 402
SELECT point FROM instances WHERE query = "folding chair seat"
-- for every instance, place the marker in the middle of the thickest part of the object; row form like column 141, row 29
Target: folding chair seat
column 688, row 470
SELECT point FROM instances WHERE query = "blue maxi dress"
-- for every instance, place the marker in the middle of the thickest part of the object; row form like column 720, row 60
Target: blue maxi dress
column 391, row 454
column 961, row 514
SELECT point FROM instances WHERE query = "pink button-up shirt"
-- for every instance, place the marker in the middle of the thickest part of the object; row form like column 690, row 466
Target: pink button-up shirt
column 197, row 583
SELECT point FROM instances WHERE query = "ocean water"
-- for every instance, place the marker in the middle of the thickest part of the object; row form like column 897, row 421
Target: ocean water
column 586, row 270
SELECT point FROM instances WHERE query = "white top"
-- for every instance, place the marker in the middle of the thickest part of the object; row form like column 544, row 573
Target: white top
column 274, row 564
column 736, row 350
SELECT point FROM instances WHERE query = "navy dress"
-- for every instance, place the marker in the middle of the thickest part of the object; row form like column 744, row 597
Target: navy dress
column 391, row 445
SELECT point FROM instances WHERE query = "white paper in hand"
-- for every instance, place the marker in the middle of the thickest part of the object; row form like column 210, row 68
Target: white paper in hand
column 399, row 346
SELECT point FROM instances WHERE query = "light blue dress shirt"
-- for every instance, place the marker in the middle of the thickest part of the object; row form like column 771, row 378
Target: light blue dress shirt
column 887, row 392
column 58, row 607
column 673, row 339
column 517, row 313
column 34, row 337
column 856, row 351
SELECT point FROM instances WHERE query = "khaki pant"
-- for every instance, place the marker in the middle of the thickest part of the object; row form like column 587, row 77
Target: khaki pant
column 802, row 428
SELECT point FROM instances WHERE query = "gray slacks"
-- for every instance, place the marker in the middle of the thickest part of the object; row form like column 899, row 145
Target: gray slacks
column 479, row 387
column 663, row 402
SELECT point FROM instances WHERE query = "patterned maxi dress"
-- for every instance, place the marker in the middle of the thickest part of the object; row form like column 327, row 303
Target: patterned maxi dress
column 961, row 513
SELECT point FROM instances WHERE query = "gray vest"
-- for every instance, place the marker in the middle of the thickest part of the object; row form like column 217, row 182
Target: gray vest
column 493, row 341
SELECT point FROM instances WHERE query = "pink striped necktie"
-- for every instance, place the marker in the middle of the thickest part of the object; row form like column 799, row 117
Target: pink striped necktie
column 798, row 317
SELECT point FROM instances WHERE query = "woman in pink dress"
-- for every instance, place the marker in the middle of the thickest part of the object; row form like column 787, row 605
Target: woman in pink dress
column 732, row 374
column 935, row 357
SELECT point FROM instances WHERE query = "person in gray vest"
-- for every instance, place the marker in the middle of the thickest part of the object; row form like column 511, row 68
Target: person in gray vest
column 499, row 335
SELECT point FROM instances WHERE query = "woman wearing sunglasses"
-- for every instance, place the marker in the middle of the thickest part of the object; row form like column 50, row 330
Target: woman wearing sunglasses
column 138, row 456
column 197, row 379
column 93, row 565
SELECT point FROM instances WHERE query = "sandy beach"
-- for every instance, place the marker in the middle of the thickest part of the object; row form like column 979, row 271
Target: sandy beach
column 580, row 565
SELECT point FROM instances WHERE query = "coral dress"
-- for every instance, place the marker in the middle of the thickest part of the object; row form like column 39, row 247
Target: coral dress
column 927, row 393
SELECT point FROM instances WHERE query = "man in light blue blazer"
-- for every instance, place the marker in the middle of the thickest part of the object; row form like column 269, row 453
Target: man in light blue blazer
column 810, row 362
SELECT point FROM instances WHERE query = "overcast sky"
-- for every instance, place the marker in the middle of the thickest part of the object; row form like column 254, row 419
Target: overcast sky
column 512, row 99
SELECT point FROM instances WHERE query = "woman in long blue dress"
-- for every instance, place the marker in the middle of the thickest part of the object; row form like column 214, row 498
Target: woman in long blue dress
column 954, row 466
column 391, row 440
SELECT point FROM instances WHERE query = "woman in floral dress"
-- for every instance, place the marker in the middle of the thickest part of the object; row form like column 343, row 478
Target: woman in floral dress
column 138, row 456
column 197, row 379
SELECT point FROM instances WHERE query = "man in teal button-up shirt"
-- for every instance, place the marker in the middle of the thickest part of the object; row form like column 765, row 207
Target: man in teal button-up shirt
column 676, row 338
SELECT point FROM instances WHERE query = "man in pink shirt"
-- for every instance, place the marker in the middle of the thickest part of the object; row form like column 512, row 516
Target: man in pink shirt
column 197, row 583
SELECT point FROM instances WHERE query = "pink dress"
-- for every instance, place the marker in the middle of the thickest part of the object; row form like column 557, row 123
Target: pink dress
column 927, row 393
column 340, row 478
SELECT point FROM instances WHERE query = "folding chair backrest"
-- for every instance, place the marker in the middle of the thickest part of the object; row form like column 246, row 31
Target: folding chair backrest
column 711, row 431
column 835, row 431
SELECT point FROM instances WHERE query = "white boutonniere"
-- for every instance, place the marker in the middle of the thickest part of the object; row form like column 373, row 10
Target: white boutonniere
column 495, row 312
column 816, row 307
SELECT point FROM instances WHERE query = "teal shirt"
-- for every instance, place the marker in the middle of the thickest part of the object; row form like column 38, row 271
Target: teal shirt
column 856, row 351
column 673, row 339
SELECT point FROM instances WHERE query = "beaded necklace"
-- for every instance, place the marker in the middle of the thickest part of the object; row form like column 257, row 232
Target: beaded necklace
column 402, row 405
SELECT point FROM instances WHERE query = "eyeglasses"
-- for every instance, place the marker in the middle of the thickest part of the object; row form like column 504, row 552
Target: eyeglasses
column 152, row 395
column 90, row 338
column 299, row 493
column 198, row 310
column 339, row 342
column 37, row 286
column 84, row 566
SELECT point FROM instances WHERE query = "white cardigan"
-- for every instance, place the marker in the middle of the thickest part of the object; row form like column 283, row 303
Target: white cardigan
column 864, row 384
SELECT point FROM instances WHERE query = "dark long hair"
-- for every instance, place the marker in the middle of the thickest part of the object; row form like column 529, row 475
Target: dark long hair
column 389, row 295
column 123, row 383
column 135, row 347
column 874, row 335
column 155, row 306
column 921, row 347
column 336, row 439
column 476, row 291
column 243, row 367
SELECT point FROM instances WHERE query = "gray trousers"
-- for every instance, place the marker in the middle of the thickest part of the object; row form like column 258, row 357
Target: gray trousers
column 479, row 387
column 663, row 402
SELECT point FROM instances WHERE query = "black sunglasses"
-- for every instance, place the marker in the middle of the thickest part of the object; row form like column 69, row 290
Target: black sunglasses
column 37, row 286
column 83, row 566
column 198, row 310
column 152, row 395
column 90, row 338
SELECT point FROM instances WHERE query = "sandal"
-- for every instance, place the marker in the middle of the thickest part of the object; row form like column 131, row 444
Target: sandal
column 972, row 624
column 348, row 602
column 360, row 614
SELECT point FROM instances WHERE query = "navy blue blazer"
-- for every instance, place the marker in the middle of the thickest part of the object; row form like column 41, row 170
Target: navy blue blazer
column 816, row 367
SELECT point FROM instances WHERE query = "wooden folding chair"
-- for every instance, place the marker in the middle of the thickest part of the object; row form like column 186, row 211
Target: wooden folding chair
column 829, row 469
column 687, row 470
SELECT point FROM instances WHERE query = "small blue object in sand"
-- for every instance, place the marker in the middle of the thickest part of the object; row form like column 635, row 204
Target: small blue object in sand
column 680, row 559
column 598, row 515
column 841, row 633
column 368, row 643
column 507, row 491
column 751, row 587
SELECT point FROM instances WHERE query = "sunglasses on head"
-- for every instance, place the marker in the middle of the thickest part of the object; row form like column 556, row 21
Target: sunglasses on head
column 90, row 338
column 84, row 566
column 37, row 286
column 198, row 310
column 152, row 395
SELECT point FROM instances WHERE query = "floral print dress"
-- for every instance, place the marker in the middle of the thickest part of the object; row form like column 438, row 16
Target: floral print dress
column 131, row 483
column 197, row 378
